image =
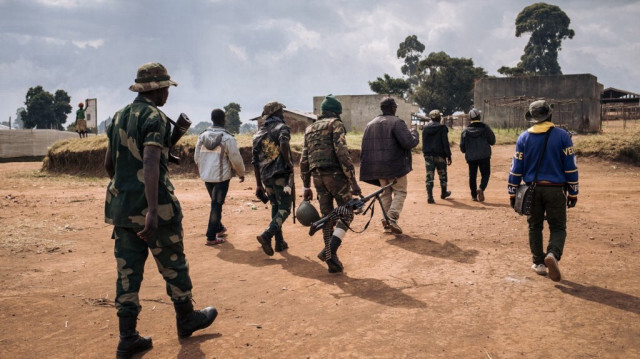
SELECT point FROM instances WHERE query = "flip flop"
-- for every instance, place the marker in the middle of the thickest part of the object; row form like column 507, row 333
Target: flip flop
column 215, row 241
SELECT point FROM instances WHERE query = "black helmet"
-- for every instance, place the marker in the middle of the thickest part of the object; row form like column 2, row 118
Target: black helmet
column 307, row 213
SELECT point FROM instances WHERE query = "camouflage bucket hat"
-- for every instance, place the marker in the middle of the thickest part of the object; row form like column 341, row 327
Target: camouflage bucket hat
column 435, row 114
column 539, row 111
column 270, row 108
column 152, row 76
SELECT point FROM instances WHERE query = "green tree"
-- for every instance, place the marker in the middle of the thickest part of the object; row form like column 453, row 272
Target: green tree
column 389, row 86
column 548, row 26
column 447, row 83
column 410, row 50
column 44, row 110
column 232, row 116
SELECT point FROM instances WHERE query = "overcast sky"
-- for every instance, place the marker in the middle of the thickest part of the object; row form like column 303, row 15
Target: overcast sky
column 251, row 52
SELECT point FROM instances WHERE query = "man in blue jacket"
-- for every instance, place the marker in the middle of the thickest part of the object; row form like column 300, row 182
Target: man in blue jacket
column 475, row 142
column 558, row 172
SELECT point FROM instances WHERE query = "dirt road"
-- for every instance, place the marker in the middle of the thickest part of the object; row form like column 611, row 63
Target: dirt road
column 457, row 284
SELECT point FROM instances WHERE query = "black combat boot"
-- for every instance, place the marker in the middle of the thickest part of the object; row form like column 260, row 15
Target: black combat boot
column 334, row 263
column 189, row 320
column 430, row 196
column 130, row 340
column 281, row 245
column 265, row 240
column 444, row 193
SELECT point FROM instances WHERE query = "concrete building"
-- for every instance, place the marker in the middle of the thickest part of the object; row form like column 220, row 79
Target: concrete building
column 576, row 98
column 358, row 110
column 296, row 120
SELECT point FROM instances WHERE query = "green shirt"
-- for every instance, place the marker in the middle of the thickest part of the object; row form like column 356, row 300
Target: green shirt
column 135, row 126
column 80, row 114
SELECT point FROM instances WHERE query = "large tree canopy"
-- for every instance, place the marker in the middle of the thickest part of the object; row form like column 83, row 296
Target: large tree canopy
column 389, row 86
column 410, row 50
column 44, row 110
column 548, row 26
column 232, row 116
column 438, row 81
column 447, row 83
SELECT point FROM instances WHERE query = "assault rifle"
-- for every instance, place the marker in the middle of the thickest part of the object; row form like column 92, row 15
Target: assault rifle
column 180, row 127
column 353, row 206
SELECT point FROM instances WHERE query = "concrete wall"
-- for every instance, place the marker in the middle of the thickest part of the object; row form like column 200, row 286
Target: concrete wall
column 576, row 100
column 358, row 110
column 29, row 143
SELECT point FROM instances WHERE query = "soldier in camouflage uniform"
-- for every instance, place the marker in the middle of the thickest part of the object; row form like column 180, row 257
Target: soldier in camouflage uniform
column 437, row 154
column 146, row 215
column 273, row 169
column 325, row 157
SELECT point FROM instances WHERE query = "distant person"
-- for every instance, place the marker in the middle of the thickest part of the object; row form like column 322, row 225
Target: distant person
column 81, row 123
column 273, row 168
column 218, row 159
column 385, row 156
column 475, row 142
column 437, row 154
column 145, row 212
column 326, row 158
column 558, row 172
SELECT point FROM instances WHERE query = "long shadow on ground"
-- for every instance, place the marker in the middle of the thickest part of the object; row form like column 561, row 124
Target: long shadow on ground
column 427, row 247
column 371, row 289
column 601, row 295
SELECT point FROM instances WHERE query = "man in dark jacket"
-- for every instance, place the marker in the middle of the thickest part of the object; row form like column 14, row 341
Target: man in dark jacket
column 435, row 148
column 386, row 154
column 273, row 170
column 475, row 142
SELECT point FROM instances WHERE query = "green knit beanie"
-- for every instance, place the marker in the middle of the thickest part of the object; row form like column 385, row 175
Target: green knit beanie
column 330, row 103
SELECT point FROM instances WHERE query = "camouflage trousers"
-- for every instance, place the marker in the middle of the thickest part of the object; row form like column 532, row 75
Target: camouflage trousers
column 436, row 163
column 330, row 187
column 280, row 201
column 131, row 254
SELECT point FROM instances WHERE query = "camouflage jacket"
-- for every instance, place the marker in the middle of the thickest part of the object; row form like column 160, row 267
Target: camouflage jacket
column 266, row 156
column 137, row 125
column 325, row 150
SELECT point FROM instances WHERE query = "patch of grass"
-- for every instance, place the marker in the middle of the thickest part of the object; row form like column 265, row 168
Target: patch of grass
column 616, row 145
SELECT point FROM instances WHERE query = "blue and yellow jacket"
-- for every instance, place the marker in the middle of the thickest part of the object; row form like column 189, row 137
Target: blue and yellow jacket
column 558, row 165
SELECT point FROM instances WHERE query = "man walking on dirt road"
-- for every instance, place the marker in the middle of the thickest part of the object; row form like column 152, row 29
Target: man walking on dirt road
column 273, row 169
column 145, row 212
column 326, row 158
column 385, row 156
column 218, row 159
column 475, row 142
column 556, row 172
column 437, row 154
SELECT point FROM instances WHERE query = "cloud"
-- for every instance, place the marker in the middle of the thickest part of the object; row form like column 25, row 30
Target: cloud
column 90, row 43
column 238, row 52
column 68, row 3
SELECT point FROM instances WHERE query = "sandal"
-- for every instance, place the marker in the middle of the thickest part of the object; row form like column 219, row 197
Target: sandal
column 215, row 241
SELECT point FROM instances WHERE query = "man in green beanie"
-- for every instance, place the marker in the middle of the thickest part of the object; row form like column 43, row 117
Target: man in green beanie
column 325, row 157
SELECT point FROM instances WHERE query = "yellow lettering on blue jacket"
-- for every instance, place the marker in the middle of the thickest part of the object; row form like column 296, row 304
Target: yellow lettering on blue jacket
column 568, row 151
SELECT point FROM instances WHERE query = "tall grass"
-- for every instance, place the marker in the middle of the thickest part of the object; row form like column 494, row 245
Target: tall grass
column 615, row 145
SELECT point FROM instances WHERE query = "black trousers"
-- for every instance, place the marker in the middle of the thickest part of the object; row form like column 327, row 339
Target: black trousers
column 485, row 173
column 217, row 193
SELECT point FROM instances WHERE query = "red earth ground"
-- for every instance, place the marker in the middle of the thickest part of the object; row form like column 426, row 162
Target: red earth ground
column 457, row 284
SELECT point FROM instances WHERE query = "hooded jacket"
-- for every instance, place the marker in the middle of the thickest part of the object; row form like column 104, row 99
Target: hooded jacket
column 217, row 155
column 435, row 141
column 476, row 141
column 386, row 149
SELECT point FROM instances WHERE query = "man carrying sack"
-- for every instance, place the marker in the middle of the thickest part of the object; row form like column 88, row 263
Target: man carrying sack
column 545, row 159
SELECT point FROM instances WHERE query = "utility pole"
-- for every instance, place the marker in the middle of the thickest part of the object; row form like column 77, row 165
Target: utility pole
column 10, row 123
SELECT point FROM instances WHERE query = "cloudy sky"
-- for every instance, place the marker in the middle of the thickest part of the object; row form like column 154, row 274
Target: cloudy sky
column 254, row 51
